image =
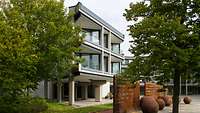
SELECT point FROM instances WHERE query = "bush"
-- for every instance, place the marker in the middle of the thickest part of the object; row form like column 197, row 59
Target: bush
column 23, row 104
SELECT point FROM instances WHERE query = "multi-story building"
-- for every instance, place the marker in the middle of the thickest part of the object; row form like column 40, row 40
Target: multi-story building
column 102, row 59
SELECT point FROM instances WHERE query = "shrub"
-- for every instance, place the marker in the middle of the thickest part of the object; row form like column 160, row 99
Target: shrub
column 22, row 104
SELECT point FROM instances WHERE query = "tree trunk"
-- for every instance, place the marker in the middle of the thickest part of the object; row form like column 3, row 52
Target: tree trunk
column 176, row 91
column 59, row 92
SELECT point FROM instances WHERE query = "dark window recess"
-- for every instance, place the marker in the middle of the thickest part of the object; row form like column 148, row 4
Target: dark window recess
column 106, row 64
column 106, row 40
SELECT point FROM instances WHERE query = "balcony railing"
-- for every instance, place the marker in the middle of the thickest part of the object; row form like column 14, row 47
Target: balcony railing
column 117, row 52
column 92, row 70
column 93, row 42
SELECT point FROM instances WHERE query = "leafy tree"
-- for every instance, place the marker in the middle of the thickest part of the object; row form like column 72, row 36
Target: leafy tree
column 166, row 42
column 17, row 58
column 38, row 41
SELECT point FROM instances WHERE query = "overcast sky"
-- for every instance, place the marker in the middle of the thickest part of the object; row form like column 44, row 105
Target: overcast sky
column 112, row 12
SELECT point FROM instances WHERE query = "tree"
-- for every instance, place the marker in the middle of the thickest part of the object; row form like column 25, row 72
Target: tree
column 166, row 42
column 38, row 42
column 17, row 59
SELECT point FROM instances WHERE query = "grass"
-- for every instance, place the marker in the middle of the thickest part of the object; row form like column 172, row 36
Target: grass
column 63, row 108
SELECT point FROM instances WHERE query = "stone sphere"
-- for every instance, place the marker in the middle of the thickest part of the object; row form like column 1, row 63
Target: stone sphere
column 187, row 100
column 167, row 99
column 149, row 105
column 161, row 103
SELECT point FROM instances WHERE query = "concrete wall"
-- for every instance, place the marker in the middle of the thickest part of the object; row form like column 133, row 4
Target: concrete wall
column 105, row 89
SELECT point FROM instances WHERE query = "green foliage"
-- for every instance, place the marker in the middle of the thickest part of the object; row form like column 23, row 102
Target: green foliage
column 17, row 58
column 38, row 40
column 166, row 39
column 166, row 42
column 22, row 104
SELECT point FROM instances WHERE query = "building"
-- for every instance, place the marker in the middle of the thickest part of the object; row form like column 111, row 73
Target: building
column 126, row 61
column 188, row 87
column 102, row 60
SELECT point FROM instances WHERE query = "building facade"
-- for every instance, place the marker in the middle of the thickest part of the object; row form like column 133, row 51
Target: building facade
column 102, row 59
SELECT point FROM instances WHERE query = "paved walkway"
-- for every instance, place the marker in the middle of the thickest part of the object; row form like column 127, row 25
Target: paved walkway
column 194, row 107
column 91, row 102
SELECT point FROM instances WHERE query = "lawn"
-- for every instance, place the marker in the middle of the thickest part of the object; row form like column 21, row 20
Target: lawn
column 63, row 108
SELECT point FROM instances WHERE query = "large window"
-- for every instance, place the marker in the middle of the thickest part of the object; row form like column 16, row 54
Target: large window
column 91, row 61
column 115, row 67
column 92, row 36
column 116, row 48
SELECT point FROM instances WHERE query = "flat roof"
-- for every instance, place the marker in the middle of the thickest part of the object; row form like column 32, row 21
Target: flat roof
column 80, row 6
column 129, row 57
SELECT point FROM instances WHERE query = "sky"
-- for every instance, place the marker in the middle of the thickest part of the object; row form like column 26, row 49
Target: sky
column 112, row 12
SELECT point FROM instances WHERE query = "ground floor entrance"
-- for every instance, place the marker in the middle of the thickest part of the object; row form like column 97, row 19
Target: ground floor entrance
column 82, row 91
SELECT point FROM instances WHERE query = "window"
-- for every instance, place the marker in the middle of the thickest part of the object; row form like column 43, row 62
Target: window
column 86, row 63
column 115, row 67
column 91, row 61
column 92, row 36
column 116, row 48
column 95, row 37
column 94, row 62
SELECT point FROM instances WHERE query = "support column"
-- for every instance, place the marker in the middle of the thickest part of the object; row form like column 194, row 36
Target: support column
column 98, row 93
column 86, row 92
column 180, row 86
column 109, row 57
column 186, row 88
column 102, row 44
column 71, row 92
column 50, row 88
column 120, row 67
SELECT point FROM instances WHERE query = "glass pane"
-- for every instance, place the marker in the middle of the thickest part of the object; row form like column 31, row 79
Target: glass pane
column 115, row 67
column 87, row 37
column 115, row 48
column 86, row 61
column 94, row 64
column 95, row 37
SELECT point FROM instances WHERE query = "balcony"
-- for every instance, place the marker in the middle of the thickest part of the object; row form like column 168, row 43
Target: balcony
column 91, row 70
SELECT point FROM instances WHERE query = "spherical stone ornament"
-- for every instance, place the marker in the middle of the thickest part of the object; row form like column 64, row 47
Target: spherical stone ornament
column 167, row 99
column 161, row 103
column 149, row 105
column 187, row 100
